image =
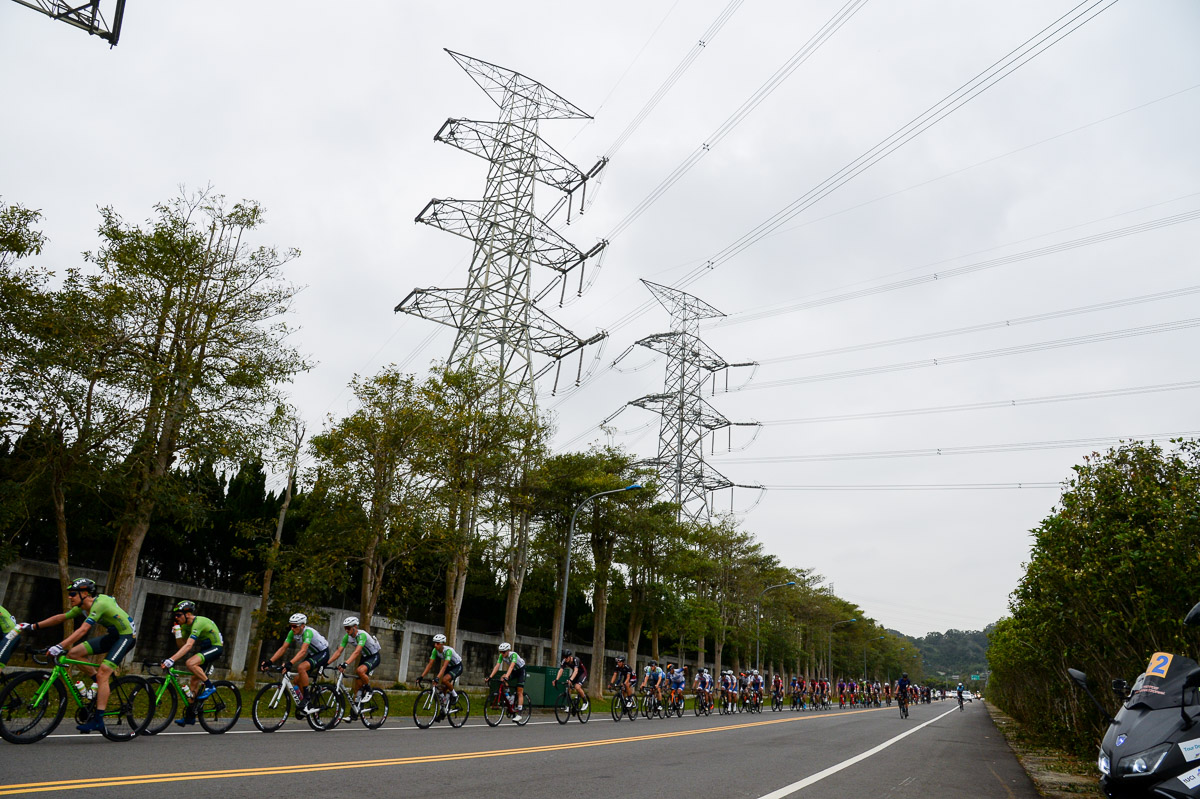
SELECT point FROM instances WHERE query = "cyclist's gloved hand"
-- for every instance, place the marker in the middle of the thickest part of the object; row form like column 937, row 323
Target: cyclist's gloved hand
column 266, row 664
column 26, row 627
column 55, row 651
column 341, row 667
column 168, row 663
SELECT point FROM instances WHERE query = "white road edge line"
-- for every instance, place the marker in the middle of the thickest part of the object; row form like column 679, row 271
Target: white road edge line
column 788, row 790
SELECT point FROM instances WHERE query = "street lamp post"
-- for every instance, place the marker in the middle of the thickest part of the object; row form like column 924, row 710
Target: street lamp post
column 829, row 659
column 562, row 621
column 867, row 644
column 758, row 620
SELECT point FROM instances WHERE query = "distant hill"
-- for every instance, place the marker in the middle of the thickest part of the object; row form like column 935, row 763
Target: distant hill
column 961, row 652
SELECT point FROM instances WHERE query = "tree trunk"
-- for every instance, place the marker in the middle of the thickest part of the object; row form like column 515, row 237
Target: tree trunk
column 654, row 638
column 456, row 585
column 700, row 653
column 517, row 564
column 600, row 610
column 556, row 646
column 718, row 645
column 634, row 638
column 254, row 651
column 60, row 523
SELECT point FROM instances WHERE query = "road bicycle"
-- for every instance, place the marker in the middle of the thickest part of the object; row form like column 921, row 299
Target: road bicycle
column 648, row 703
column 902, row 701
column 273, row 704
column 675, row 702
column 216, row 713
column 623, row 705
column 501, row 704
column 433, row 704
column 702, row 704
column 756, row 702
column 776, row 701
column 33, row 704
column 728, row 702
column 960, row 702
column 568, row 705
column 371, row 710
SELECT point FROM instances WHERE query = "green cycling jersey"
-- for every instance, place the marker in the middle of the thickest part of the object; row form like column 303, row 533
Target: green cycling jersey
column 107, row 612
column 7, row 622
column 203, row 631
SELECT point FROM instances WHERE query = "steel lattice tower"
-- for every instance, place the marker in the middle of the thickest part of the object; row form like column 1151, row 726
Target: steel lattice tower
column 498, row 322
column 83, row 14
column 687, row 417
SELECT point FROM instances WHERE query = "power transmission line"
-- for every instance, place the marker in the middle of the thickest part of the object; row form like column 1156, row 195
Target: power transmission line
column 1092, row 338
column 919, row 487
column 1002, row 323
column 980, row 449
column 979, row 406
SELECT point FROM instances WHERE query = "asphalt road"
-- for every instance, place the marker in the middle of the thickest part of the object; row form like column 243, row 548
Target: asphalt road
column 937, row 753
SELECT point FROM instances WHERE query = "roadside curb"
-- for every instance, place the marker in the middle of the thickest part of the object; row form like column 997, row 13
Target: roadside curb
column 1040, row 763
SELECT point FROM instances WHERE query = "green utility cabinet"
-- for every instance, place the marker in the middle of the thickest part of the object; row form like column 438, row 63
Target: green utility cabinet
column 540, row 690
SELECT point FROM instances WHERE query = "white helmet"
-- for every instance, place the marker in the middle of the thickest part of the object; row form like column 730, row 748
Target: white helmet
column 298, row 618
column 505, row 647
column 351, row 621
column 439, row 639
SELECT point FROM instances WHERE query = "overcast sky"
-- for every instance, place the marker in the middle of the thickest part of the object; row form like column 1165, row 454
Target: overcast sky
column 325, row 113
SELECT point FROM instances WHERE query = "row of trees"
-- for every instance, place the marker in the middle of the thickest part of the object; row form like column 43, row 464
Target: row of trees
column 1111, row 576
column 141, row 404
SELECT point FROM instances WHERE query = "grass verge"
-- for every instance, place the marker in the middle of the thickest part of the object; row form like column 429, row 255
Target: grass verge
column 1057, row 774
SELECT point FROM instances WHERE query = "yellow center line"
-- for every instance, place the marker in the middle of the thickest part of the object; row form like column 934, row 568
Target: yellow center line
column 308, row 768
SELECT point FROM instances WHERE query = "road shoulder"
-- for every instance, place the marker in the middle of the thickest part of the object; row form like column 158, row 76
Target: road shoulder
column 1056, row 774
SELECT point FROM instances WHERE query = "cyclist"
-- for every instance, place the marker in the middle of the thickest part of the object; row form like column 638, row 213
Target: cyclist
column 704, row 686
column 727, row 683
column 959, row 690
column 777, row 689
column 9, row 631
column 312, row 655
column 195, row 630
column 451, row 668
column 622, row 680
column 756, row 686
column 902, row 688
column 514, row 675
column 677, row 680
column 365, row 656
column 115, row 644
column 576, row 677
column 654, row 677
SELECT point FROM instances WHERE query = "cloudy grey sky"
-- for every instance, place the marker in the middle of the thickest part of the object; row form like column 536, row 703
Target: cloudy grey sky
column 325, row 113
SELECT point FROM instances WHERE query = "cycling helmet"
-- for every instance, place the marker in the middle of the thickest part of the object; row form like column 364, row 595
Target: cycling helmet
column 350, row 621
column 653, row 664
column 566, row 653
column 84, row 584
column 298, row 618
column 904, row 676
column 185, row 606
column 704, row 671
column 505, row 647
column 620, row 658
column 439, row 639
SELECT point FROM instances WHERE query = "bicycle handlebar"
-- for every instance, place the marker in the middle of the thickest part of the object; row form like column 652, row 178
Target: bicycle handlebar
column 34, row 652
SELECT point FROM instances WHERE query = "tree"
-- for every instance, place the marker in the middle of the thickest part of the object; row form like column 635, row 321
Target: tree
column 205, row 351
column 368, row 464
column 1110, row 577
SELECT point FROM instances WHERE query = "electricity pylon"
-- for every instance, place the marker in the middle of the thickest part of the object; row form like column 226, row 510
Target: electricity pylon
column 498, row 322
column 680, row 467
column 85, row 15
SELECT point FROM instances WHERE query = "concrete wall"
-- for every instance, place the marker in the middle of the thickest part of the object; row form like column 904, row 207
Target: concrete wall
column 29, row 590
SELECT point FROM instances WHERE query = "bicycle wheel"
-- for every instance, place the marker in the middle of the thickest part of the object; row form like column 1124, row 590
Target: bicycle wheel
column 523, row 719
column 329, row 706
column 583, row 713
column 130, row 708
column 23, row 718
column 373, row 709
column 425, row 709
column 221, row 709
column 165, row 705
column 493, row 710
column 271, row 708
column 562, row 708
column 617, row 708
column 459, row 710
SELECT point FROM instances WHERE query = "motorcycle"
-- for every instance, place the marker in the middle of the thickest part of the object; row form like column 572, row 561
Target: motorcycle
column 1152, row 746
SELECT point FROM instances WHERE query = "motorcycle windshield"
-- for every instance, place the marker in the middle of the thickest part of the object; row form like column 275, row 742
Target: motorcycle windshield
column 1162, row 684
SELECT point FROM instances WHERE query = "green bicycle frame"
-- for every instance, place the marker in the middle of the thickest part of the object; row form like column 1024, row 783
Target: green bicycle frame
column 172, row 676
column 60, row 672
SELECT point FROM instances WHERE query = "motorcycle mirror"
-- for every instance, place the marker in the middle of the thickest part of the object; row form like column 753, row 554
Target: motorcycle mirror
column 1120, row 687
column 1192, row 679
column 1193, row 617
column 1078, row 677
